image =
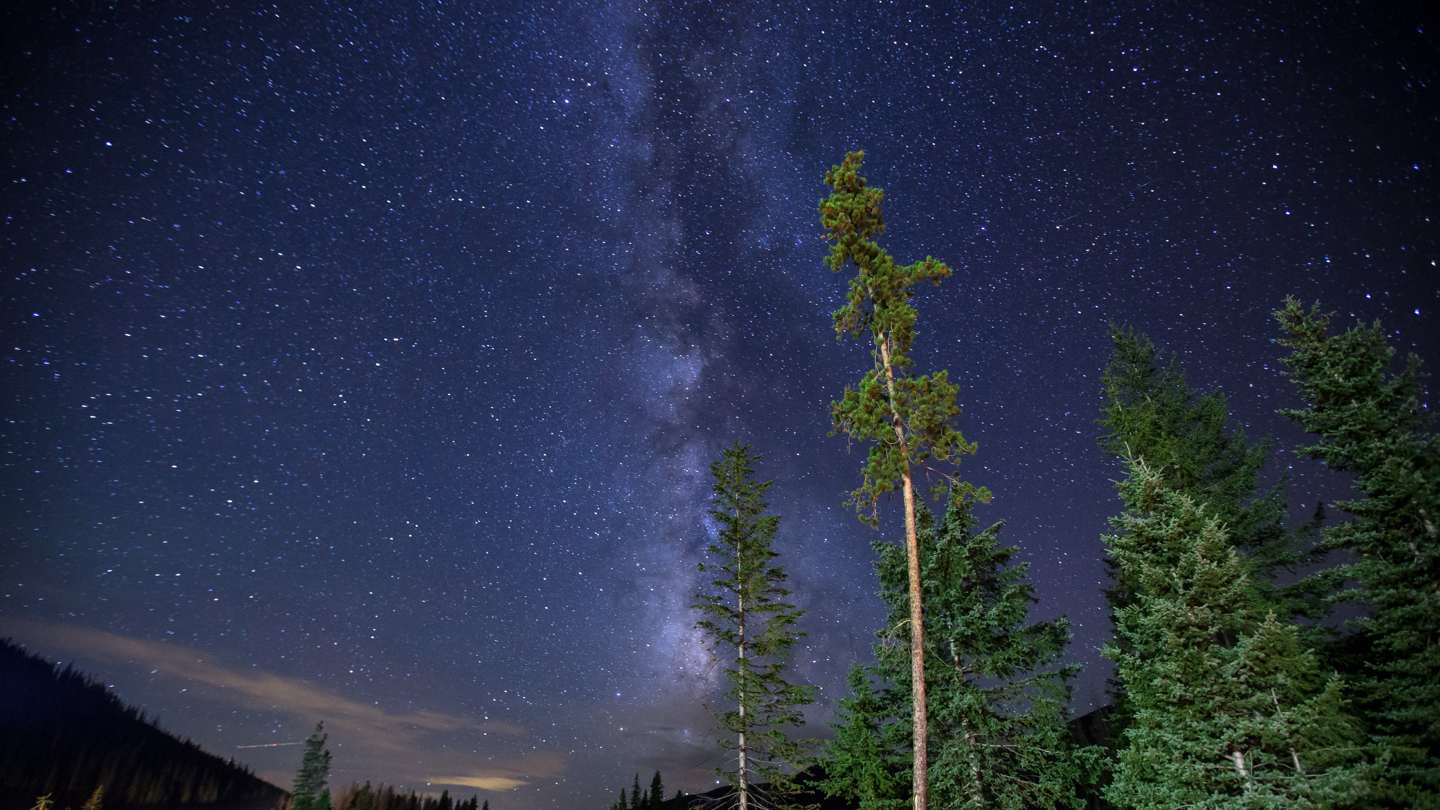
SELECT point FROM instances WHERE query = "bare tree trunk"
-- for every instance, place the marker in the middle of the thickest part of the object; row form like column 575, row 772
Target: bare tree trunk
column 744, row 768
column 977, row 788
column 1239, row 760
column 921, row 781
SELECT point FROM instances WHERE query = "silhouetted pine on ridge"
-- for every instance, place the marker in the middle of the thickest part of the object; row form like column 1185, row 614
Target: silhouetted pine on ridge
column 62, row 733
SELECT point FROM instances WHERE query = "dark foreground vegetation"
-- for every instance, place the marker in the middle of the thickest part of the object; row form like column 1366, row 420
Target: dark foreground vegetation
column 64, row 735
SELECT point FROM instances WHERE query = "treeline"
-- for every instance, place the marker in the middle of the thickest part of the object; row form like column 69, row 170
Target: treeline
column 651, row 799
column 385, row 797
column 64, row 735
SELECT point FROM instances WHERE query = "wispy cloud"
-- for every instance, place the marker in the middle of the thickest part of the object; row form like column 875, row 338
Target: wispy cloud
column 382, row 736
column 482, row 782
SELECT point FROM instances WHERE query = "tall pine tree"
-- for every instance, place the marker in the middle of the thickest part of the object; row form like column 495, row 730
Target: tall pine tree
column 1371, row 423
column 747, row 617
column 998, row 690
column 907, row 417
column 1228, row 709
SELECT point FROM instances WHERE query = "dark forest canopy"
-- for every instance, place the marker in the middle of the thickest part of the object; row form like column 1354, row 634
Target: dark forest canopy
column 63, row 734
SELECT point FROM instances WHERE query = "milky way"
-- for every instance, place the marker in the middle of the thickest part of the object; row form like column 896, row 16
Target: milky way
column 366, row 366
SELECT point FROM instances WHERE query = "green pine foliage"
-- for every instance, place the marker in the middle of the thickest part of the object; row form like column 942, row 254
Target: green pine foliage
column 1152, row 413
column 997, row 688
column 907, row 417
column 1228, row 710
column 999, row 694
column 1371, row 423
column 310, row 792
column 748, row 624
column 869, row 760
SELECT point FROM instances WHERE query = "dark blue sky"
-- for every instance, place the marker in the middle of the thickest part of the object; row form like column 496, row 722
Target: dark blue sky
column 367, row 365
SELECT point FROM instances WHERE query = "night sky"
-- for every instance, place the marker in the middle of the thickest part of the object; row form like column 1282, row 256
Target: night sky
column 366, row 365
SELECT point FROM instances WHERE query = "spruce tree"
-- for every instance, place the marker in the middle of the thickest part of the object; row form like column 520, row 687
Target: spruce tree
column 907, row 417
column 746, row 617
column 310, row 792
column 1371, row 423
column 1152, row 413
column 657, row 793
column 1228, row 710
column 998, row 690
column 635, row 794
column 869, row 760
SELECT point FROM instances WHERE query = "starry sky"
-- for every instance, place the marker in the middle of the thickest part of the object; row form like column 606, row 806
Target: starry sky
column 364, row 363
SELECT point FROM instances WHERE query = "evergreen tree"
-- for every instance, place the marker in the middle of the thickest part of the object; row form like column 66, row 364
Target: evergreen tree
column 998, row 691
column 310, row 792
column 747, row 614
column 657, row 793
column 869, row 760
column 1371, row 423
column 907, row 417
column 635, row 794
column 1229, row 711
column 1152, row 413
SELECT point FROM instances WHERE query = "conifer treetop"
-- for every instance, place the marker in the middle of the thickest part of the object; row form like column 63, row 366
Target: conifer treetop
column 921, row 408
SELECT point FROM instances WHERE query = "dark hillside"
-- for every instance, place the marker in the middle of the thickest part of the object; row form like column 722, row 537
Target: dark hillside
column 63, row 734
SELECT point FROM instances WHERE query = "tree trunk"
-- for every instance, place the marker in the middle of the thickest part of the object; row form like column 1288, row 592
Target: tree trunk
column 977, row 788
column 921, row 782
column 744, row 775
column 1239, row 760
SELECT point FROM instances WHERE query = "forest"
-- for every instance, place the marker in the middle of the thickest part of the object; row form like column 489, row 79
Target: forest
column 66, row 737
column 1258, row 663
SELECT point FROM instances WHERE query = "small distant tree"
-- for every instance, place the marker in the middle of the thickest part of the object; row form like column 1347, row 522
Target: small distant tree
column 657, row 792
column 746, row 616
column 310, row 792
column 635, row 802
column 908, row 417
